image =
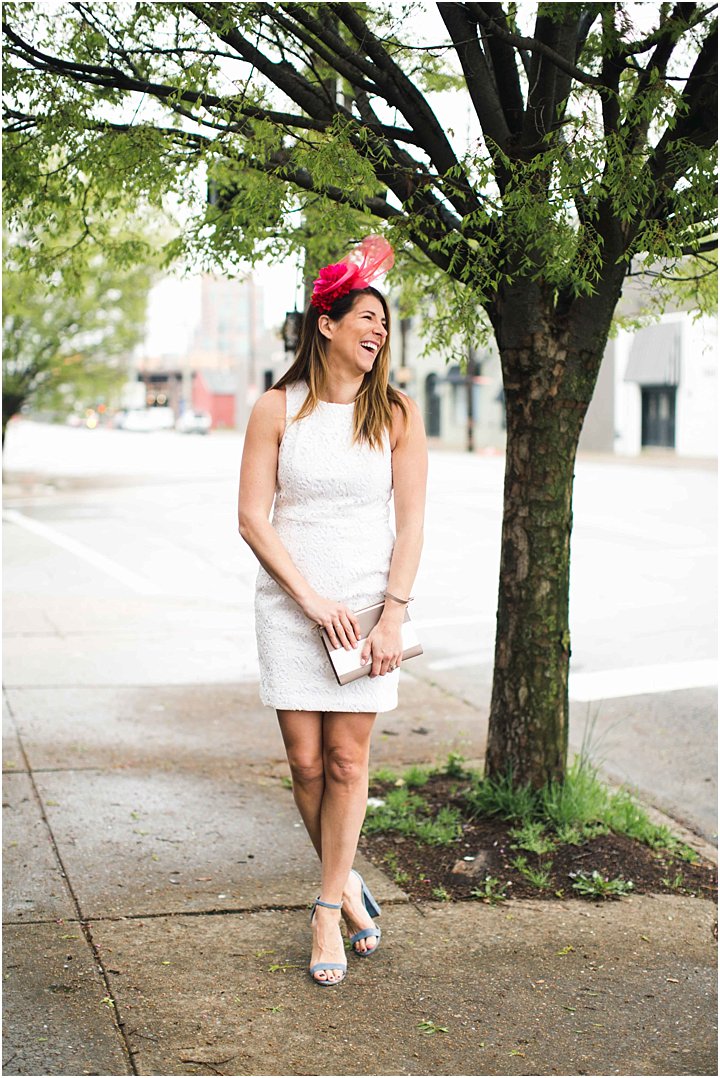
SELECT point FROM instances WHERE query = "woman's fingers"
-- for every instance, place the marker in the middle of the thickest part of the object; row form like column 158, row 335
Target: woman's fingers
column 340, row 630
column 349, row 629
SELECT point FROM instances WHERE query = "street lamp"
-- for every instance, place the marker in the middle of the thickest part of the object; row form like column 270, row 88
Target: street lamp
column 291, row 330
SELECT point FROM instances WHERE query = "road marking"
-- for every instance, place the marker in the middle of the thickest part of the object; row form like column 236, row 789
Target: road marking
column 457, row 662
column 464, row 619
column 126, row 576
column 612, row 684
column 643, row 680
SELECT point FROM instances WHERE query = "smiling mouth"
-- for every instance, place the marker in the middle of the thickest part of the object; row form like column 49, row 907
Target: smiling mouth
column 369, row 346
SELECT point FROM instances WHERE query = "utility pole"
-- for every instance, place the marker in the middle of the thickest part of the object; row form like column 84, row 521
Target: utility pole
column 470, row 382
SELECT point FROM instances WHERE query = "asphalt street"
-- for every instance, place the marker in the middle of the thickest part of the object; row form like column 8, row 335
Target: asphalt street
column 127, row 543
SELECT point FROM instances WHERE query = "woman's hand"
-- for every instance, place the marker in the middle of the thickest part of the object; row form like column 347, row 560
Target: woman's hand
column 384, row 644
column 338, row 621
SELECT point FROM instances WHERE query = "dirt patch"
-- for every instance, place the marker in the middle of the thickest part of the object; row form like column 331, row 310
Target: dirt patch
column 487, row 849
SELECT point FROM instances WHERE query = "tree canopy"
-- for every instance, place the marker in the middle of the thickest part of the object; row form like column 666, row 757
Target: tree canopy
column 69, row 327
column 492, row 143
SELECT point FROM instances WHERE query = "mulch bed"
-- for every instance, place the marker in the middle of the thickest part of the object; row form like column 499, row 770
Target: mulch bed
column 486, row 849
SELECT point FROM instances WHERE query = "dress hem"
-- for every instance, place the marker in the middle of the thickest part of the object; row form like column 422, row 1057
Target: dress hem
column 319, row 707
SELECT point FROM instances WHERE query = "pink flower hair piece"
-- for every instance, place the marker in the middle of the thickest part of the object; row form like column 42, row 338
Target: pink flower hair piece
column 369, row 260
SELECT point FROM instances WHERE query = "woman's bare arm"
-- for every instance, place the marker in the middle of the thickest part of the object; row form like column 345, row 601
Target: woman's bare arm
column 258, row 474
column 409, row 465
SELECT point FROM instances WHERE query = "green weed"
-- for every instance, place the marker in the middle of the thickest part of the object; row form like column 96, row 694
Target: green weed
column 430, row 1028
column 399, row 876
column 384, row 774
column 578, row 834
column 578, row 801
column 597, row 886
column 686, row 853
column 499, row 797
column 677, row 883
column 531, row 836
column 454, row 767
column 538, row 877
column 490, row 891
column 441, row 894
column 400, row 805
column 416, row 776
column 440, row 830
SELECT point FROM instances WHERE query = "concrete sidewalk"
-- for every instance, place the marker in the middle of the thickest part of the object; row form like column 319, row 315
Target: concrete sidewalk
column 157, row 885
column 157, row 876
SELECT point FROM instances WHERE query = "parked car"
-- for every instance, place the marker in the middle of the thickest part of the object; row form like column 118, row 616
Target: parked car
column 148, row 419
column 193, row 422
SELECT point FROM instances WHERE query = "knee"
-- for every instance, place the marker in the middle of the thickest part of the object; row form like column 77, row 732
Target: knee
column 306, row 770
column 344, row 767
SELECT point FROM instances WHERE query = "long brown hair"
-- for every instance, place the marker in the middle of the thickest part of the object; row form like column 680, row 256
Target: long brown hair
column 373, row 414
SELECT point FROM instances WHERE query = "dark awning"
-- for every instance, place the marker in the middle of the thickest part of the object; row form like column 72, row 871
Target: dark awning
column 655, row 355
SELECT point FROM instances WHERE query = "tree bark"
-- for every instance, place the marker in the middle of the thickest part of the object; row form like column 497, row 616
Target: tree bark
column 547, row 392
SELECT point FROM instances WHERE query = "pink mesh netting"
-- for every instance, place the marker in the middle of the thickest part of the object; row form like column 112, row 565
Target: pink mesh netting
column 358, row 269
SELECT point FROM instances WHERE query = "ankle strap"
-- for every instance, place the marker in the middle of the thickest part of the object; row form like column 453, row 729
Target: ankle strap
column 328, row 905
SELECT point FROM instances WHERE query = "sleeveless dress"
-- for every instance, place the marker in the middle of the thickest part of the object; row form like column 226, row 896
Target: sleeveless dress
column 332, row 513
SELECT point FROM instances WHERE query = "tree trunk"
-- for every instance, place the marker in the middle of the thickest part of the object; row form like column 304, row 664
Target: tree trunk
column 545, row 409
column 11, row 405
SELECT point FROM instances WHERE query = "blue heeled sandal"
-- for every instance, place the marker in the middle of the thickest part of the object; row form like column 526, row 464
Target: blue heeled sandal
column 374, row 910
column 327, row 965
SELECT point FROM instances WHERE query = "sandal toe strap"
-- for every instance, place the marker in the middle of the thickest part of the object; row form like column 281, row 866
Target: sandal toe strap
column 365, row 933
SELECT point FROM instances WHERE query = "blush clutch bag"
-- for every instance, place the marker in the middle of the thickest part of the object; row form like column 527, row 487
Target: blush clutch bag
column 346, row 664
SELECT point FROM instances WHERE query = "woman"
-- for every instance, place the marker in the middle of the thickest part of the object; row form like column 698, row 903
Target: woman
column 329, row 444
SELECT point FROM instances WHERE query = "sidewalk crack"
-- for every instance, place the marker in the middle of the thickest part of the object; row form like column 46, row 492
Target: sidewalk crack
column 82, row 921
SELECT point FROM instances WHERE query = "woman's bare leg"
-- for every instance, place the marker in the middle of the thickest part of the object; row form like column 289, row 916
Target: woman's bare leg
column 346, row 751
column 302, row 732
column 328, row 756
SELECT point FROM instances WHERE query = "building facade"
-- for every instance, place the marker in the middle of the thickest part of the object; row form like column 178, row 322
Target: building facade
column 656, row 391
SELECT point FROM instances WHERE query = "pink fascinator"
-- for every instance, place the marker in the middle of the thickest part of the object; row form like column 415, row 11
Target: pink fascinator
column 371, row 258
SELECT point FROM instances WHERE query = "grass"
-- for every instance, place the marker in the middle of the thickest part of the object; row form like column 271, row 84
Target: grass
column 568, row 813
column 409, row 814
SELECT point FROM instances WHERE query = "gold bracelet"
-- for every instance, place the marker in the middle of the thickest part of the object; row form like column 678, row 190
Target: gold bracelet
column 404, row 602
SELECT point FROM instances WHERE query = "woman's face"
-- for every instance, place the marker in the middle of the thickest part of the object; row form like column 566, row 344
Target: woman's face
column 357, row 337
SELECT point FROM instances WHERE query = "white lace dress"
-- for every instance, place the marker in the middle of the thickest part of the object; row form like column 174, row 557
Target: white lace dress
column 332, row 512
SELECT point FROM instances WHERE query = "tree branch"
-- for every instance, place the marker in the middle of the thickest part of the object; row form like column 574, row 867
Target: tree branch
column 532, row 45
column 483, row 93
column 502, row 59
column 402, row 92
column 549, row 83
column 114, row 78
column 634, row 48
column 672, row 31
column 283, row 75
